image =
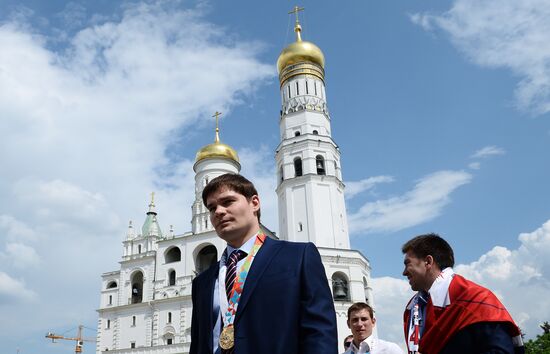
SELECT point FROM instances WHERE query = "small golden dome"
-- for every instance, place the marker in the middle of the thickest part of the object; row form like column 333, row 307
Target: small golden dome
column 217, row 150
column 300, row 51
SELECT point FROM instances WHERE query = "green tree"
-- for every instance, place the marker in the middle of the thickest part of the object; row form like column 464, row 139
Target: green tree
column 540, row 345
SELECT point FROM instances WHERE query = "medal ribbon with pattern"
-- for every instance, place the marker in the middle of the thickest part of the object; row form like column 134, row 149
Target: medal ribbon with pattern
column 235, row 294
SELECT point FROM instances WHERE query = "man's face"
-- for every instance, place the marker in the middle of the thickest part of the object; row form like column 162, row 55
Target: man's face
column 232, row 215
column 361, row 324
column 416, row 271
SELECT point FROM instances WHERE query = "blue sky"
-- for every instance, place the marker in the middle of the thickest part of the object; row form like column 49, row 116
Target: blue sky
column 440, row 110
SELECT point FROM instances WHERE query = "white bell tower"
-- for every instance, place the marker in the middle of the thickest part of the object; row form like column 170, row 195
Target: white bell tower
column 212, row 161
column 310, row 188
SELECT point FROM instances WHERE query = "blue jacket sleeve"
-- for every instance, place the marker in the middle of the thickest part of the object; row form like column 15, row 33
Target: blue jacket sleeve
column 318, row 333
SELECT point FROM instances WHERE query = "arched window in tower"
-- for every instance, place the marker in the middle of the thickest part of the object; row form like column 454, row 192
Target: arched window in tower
column 169, row 339
column 133, row 321
column 110, row 299
column 320, row 164
column 288, row 87
column 297, row 88
column 297, row 133
column 366, row 288
column 169, row 317
column 307, row 88
column 171, row 277
column 300, row 227
column 108, row 324
column 139, row 248
column 315, row 87
column 206, row 223
column 315, row 132
column 112, row 285
column 137, row 287
column 281, row 174
column 173, row 254
column 205, row 258
column 297, row 167
column 340, row 287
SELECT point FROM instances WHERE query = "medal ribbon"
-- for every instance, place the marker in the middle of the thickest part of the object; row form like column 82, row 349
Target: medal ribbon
column 415, row 326
column 236, row 291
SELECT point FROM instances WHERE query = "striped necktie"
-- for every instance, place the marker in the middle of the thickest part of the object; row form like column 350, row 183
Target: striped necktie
column 230, row 276
column 231, row 273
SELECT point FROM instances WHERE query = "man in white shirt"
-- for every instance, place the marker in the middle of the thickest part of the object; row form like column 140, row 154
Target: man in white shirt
column 361, row 321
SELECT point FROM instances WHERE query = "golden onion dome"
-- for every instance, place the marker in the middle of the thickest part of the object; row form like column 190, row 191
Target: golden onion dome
column 300, row 51
column 217, row 149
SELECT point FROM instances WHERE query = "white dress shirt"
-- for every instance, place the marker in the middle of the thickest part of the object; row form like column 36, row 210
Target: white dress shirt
column 246, row 247
column 373, row 345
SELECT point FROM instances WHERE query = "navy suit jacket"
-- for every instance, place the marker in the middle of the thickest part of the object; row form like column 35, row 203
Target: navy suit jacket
column 286, row 306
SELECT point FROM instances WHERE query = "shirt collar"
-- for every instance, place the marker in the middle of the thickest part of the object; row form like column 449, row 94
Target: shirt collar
column 367, row 342
column 439, row 291
column 246, row 247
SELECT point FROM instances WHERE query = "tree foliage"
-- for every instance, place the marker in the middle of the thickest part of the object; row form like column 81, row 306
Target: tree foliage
column 540, row 345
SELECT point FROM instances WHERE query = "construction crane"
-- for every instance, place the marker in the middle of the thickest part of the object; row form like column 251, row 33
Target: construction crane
column 78, row 339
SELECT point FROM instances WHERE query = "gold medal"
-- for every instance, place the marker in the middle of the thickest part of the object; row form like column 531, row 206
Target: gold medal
column 227, row 337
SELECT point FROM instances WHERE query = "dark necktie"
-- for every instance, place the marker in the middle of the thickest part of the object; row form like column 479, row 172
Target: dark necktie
column 423, row 301
column 230, row 276
column 231, row 273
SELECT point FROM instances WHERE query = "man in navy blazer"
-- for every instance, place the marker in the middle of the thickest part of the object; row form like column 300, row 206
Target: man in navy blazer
column 286, row 305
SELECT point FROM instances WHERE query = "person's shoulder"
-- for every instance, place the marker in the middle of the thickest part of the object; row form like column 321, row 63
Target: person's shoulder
column 294, row 245
column 348, row 351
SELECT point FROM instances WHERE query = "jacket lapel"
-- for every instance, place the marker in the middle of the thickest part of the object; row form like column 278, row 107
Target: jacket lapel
column 262, row 259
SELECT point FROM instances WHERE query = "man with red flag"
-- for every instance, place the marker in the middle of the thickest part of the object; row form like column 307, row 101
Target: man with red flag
column 450, row 314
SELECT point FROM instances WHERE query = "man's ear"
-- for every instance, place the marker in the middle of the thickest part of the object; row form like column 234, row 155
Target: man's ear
column 429, row 260
column 255, row 201
column 349, row 326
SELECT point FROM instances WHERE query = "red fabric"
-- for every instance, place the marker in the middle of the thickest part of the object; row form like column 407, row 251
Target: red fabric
column 470, row 303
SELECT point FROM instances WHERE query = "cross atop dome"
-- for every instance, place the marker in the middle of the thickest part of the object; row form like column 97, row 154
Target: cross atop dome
column 217, row 115
column 297, row 27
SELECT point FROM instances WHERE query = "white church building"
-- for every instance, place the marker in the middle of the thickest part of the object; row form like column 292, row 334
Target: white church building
column 145, row 306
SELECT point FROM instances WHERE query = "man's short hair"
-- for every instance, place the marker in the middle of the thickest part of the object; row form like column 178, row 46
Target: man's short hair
column 431, row 245
column 359, row 306
column 233, row 182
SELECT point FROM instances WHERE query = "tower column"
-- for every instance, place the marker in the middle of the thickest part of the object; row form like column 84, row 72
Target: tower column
column 310, row 188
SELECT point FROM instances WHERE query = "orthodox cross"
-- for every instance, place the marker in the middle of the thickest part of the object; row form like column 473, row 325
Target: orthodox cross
column 295, row 11
column 217, row 116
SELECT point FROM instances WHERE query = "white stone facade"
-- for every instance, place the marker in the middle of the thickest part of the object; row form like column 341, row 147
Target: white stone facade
column 145, row 307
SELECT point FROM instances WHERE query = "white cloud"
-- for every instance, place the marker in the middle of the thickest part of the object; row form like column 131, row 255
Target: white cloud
column 58, row 201
column 85, row 133
column 474, row 165
column 488, row 151
column 519, row 277
column 21, row 255
column 505, row 34
column 423, row 203
column 390, row 296
column 14, row 229
column 13, row 290
column 355, row 187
